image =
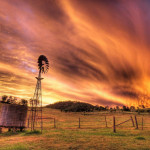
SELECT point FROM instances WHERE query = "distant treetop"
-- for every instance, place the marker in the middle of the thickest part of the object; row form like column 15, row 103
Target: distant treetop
column 13, row 100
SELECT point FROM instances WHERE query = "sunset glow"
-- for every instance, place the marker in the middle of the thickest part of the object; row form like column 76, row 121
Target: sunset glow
column 98, row 50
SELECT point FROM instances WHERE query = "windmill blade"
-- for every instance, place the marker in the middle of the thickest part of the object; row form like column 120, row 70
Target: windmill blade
column 40, row 63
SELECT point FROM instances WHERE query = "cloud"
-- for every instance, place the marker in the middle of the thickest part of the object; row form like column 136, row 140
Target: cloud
column 98, row 50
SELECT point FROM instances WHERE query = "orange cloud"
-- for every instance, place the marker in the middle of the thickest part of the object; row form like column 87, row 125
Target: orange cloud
column 98, row 50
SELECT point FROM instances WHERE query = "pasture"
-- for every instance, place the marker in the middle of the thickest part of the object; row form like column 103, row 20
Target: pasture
column 92, row 134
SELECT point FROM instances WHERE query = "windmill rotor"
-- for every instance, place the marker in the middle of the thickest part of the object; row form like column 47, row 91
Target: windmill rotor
column 43, row 64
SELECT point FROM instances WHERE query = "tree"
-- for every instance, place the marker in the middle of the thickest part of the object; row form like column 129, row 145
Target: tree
column 4, row 98
column 107, row 107
column 125, row 108
column 117, row 107
column 132, row 108
column 24, row 102
column 101, row 108
column 10, row 100
column 14, row 100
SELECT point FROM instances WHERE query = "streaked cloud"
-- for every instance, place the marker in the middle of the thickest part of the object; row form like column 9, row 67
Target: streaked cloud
column 98, row 50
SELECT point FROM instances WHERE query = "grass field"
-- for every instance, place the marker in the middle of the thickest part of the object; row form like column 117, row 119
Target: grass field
column 92, row 134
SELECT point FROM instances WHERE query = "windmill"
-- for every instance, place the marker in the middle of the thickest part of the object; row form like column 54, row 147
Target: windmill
column 36, row 103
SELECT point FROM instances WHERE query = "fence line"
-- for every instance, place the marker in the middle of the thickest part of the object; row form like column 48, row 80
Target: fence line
column 81, row 122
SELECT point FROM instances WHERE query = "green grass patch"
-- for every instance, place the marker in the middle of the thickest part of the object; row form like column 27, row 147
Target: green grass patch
column 101, row 132
column 140, row 138
column 16, row 147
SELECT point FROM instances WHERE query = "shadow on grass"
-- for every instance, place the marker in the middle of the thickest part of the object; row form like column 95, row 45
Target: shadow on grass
column 11, row 133
column 35, row 132
column 24, row 133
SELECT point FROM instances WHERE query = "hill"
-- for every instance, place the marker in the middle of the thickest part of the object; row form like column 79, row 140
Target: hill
column 72, row 106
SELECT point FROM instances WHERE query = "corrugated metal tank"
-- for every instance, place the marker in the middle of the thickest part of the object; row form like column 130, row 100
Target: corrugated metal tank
column 13, row 115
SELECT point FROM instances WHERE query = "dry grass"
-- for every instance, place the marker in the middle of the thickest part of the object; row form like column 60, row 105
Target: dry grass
column 92, row 135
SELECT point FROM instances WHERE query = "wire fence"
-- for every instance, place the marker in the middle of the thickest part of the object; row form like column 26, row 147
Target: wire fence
column 141, row 122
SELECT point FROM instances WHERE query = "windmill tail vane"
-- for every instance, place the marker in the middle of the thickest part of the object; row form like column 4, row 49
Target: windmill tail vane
column 35, row 114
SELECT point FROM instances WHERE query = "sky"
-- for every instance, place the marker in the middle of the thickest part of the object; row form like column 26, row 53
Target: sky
column 98, row 50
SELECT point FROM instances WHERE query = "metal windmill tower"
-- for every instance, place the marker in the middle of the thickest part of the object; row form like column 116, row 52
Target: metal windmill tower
column 36, row 102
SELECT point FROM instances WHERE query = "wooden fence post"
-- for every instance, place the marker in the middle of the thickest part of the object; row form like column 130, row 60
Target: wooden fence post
column 136, row 122
column 114, row 125
column 0, row 130
column 28, row 122
column 79, row 122
column 132, row 121
column 54, row 123
column 106, row 121
column 142, row 123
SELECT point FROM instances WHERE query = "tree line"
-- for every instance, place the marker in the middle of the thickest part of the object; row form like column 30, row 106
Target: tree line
column 74, row 106
column 13, row 100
